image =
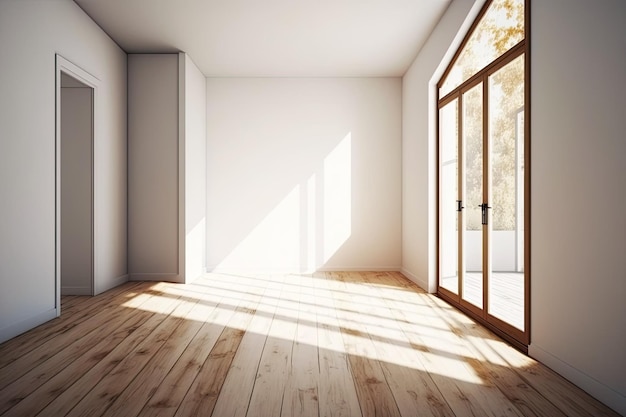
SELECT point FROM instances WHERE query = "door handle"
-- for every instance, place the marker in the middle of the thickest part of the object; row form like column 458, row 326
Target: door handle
column 459, row 206
column 485, row 214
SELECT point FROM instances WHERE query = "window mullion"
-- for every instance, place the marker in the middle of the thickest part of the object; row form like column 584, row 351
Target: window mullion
column 494, row 66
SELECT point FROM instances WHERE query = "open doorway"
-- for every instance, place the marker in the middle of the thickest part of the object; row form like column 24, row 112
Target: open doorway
column 75, row 191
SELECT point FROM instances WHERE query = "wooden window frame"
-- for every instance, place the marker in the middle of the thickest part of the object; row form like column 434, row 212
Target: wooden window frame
column 516, row 337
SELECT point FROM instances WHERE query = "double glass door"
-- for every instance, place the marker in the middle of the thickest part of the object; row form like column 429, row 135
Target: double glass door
column 482, row 199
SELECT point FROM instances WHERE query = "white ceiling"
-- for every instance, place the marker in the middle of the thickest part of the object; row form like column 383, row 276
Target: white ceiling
column 275, row 38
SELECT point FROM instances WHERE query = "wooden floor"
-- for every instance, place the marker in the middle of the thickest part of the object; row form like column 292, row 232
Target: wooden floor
column 331, row 344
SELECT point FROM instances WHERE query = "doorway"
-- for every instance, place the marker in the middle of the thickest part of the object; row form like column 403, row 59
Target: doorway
column 75, row 179
column 483, row 175
column 482, row 199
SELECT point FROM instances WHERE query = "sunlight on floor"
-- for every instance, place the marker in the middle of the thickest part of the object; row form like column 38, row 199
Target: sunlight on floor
column 295, row 307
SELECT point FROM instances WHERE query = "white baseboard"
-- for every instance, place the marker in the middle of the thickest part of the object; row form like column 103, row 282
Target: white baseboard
column 13, row 330
column 65, row 290
column 111, row 284
column 252, row 271
column 423, row 284
column 249, row 270
column 595, row 388
column 155, row 276
column 360, row 269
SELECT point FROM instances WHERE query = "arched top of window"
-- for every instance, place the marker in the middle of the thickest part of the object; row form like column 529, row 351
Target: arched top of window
column 499, row 29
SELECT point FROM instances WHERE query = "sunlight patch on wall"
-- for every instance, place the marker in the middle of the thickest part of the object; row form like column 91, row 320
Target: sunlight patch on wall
column 308, row 226
column 274, row 241
column 337, row 197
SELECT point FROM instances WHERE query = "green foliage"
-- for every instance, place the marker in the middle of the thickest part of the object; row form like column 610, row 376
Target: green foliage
column 501, row 28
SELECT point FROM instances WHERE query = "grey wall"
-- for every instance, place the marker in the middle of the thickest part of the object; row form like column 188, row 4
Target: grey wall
column 31, row 32
column 578, row 315
column 76, row 189
column 153, row 166
column 167, row 167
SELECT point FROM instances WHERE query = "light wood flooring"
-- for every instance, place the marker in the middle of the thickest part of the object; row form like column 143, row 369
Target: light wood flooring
column 330, row 344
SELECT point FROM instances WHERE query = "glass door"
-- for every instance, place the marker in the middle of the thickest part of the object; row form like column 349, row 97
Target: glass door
column 481, row 198
column 449, row 197
column 472, row 197
column 482, row 173
column 506, row 195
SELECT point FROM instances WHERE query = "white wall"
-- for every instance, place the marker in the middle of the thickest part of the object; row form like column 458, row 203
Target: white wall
column 31, row 32
column 303, row 173
column 419, row 142
column 76, row 189
column 578, row 204
column 153, row 166
column 195, row 168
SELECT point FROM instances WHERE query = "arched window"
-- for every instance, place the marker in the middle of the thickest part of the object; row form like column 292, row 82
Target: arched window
column 483, row 177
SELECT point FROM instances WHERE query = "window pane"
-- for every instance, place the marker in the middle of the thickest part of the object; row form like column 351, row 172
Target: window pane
column 501, row 28
column 506, row 140
column 448, row 192
column 473, row 196
column 506, row 108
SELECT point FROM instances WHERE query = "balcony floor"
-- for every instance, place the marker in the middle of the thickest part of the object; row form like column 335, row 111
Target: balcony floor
column 506, row 294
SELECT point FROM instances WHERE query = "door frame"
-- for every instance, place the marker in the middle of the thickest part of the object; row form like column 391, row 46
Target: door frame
column 517, row 338
column 63, row 65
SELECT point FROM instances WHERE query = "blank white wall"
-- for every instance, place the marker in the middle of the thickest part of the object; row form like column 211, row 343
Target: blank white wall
column 153, row 166
column 419, row 143
column 195, row 170
column 76, row 190
column 31, row 32
column 303, row 174
column 578, row 193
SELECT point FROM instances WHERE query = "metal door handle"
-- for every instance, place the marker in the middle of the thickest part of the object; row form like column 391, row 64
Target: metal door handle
column 485, row 214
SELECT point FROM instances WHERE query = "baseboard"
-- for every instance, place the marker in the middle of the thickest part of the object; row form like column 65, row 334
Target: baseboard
column 16, row 329
column 75, row 290
column 423, row 284
column 360, row 269
column 152, row 276
column 111, row 284
column 248, row 270
column 595, row 388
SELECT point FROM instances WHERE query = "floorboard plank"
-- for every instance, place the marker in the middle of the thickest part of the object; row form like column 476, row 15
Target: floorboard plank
column 205, row 389
column 337, row 391
column 132, row 400
column 115, row 382
column 273, row 370
column 301, row 396
column 77, row 358
column 170, row 392
column 375, row 396
column 203, row 393
column 23, row 344
column 413, row 387
column 236, row 391
column 42, row 352
column 84, row 383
